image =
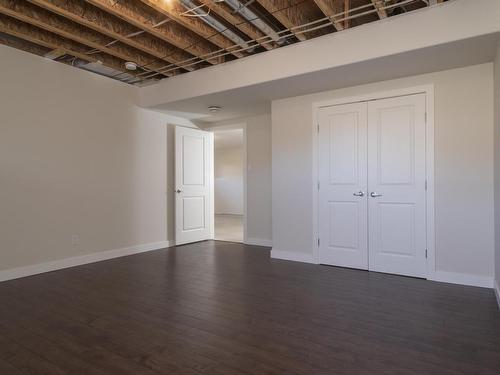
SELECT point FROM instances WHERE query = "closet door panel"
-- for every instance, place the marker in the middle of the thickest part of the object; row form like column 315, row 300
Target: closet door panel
column 396, row 185
column 342, row 185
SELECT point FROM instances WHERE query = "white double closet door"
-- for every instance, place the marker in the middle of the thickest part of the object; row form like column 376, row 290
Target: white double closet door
column 372, row 185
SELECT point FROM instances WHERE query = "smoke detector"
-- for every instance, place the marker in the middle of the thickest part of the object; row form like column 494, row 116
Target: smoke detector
column 213, row 109
column 129, row 65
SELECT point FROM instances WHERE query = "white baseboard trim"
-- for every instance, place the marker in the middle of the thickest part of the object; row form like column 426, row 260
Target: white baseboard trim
column 497, row 293
column 463, row 279
column 259, row 242
column 15, row 273
column 292, row 255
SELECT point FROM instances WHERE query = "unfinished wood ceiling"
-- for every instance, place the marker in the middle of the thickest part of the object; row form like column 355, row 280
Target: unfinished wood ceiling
column 163, row 38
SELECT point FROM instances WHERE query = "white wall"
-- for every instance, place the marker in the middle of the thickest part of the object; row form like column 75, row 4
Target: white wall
column 259, row 214
column 77, row 157
column 497, row 172
column 463, row 168
column 228, row 182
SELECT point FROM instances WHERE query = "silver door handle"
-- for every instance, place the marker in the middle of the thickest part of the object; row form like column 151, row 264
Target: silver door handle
column 359, row 194
column 178, row 191
column 374, row 195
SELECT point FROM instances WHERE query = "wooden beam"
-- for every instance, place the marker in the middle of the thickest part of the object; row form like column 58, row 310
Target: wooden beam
column 235, row 19
column 331, row 8
column 147, row 19
column 347, row 7
column 174, row 10
column 55, row 54
column 24, row 45
column 54, row 23
column 287, row 14
column 379, row 5
column 104, row 23
column 14, row 27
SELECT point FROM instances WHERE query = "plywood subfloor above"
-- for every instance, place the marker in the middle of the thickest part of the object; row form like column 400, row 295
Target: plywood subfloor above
column 166, row 38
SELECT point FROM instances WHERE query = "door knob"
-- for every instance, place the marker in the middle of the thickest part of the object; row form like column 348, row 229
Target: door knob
column 178, row 191
column 374, row 194
column 359, row 194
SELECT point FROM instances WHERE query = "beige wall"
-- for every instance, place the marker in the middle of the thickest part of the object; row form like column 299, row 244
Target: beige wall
column 258, row 137
column 463, row 167
column 77, row 157
column 497, row 170
column 228, row 181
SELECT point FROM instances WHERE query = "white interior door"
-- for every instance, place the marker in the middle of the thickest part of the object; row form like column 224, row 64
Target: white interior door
column 193, row 185
column 396, row 185
column 342, row 185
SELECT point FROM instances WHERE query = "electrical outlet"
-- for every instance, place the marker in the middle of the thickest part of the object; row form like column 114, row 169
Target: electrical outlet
column 75, row 240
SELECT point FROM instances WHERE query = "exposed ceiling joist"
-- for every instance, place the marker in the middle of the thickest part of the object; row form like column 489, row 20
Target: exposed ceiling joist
column 55, row 54
column 237, row 20
column 61, row 26
column 295, row 15
column 46, row 39
column 102, row 22
column 285, row 13
column 174, row 10
column 146, row 19
column 379, row 6
column 168, row 37
column 23, row 45
column 331, row 8
column 347, row 8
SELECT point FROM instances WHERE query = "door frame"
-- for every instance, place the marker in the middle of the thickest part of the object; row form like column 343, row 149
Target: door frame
column 242, row 126
column 428, row 90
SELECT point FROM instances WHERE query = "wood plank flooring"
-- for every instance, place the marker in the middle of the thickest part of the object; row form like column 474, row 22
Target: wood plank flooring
column 225, row 308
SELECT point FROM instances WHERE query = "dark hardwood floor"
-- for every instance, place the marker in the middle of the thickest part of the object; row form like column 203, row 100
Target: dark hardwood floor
column 225, row 308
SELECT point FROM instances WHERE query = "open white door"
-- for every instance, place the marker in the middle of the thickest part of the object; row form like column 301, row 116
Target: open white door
column 193, row 185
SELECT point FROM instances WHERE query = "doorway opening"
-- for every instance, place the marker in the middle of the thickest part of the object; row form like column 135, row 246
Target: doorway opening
column 229, row 184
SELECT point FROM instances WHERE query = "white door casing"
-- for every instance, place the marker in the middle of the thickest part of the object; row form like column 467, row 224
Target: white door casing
column 343, row 185
column 396, row 184
column 193, row 185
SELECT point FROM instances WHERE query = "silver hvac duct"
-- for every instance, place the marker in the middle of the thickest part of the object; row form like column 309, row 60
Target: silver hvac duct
column 211, row 21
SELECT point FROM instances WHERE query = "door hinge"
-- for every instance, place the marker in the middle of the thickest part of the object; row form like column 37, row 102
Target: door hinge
column 425, row 253
column 318, row 242
column 318, row 185
column 426, row 117
column 318, row 128
column 425, row 184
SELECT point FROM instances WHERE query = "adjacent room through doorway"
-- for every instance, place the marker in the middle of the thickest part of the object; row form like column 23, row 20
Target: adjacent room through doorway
column 229, row 189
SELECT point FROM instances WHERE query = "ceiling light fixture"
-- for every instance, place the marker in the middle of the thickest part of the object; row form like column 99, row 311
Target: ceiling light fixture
column 129, row 65
column 213, row 109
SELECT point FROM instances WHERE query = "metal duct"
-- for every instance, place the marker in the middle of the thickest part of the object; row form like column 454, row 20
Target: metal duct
column 209, row 20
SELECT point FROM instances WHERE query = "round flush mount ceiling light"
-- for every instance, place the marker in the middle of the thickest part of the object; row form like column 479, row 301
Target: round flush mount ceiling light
column 214, row 109
column 129, row 65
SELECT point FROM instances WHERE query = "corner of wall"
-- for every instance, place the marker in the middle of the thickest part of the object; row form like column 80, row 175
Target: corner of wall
column 496, row 172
